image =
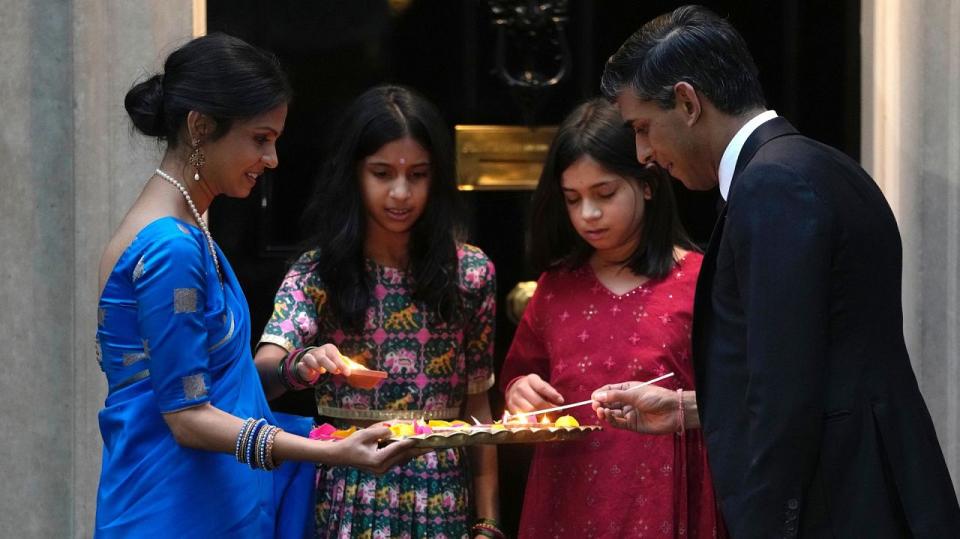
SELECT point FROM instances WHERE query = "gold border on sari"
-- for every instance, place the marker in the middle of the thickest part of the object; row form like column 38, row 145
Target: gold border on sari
column 135, row 378
column 226, row 337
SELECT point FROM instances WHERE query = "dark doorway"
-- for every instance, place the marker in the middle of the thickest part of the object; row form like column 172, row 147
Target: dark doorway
column 808, row 53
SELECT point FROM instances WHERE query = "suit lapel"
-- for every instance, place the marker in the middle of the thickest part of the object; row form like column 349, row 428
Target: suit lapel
column 702, row 309
column 775, row 128
column 702, row 303
column 709, row 263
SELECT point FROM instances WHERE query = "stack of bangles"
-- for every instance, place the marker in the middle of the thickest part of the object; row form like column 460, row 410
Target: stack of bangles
column 487, row 527
column 287, row 370
column 255, row 444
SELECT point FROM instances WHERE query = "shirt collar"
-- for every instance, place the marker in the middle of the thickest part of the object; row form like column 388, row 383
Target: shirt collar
column 728, row 162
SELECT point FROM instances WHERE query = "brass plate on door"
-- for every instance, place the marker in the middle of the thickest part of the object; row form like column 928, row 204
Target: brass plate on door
column 500, row 157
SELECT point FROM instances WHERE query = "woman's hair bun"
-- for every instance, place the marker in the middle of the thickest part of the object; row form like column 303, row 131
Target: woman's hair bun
column 144, row 104
column 217, row 75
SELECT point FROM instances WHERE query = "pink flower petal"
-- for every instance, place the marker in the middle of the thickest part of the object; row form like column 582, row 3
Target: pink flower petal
column 323, row 432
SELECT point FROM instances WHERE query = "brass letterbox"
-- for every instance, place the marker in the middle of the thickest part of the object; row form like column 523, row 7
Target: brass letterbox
column 493, row 157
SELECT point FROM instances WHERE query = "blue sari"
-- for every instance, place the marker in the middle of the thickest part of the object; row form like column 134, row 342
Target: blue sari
column 169, row 337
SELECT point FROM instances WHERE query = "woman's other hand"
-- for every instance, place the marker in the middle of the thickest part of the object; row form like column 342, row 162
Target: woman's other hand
column 362, row 450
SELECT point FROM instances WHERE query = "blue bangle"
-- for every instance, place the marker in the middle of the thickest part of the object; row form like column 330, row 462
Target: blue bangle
column 241, row 439
column 248, row 450
column 258, row 460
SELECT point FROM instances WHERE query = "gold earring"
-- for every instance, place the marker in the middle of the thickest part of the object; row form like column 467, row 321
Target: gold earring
column 196, row 159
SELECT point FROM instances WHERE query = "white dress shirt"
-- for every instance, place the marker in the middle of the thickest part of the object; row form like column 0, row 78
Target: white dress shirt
column 728, row 162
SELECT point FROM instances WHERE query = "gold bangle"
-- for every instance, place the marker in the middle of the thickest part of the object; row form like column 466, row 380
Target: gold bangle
column 270, row 463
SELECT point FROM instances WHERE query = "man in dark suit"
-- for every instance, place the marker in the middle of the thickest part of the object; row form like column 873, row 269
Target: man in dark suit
column 813, row 418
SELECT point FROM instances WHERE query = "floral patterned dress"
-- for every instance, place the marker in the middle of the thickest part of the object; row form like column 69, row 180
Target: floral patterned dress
column 432, row 368
column 579, row 336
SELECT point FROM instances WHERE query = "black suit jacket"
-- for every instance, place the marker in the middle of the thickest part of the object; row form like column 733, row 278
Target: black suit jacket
column 814, row 422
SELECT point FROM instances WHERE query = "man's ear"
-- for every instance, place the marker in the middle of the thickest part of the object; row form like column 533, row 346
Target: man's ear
column 199, row 126
column 688, row 102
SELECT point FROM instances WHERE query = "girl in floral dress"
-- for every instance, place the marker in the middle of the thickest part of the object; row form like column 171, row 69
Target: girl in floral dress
column 614, row 303
column 388, row 284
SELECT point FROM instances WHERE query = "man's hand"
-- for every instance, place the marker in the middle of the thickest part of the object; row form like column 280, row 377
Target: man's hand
column 650, row 409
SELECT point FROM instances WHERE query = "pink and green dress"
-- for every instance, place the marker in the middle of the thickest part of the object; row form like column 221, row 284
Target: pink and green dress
column 432, row 368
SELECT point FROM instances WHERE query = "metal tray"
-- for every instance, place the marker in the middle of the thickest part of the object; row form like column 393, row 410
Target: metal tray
column 476, row 436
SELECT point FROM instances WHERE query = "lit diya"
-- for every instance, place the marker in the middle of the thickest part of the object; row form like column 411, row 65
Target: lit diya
column 509, row 430
column 517, row 428
column 441, row 434
column 360, row 376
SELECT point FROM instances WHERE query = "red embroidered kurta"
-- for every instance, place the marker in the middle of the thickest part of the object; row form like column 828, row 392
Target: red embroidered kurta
column 578, row 335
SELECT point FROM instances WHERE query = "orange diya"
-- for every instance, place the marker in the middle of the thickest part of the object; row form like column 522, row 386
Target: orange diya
column 515, row 421
column 360, row 376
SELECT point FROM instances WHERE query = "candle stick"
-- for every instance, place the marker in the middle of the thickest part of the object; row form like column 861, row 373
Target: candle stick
column 581, row 403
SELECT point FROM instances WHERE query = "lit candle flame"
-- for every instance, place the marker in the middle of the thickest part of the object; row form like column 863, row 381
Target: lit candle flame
column 545, row 420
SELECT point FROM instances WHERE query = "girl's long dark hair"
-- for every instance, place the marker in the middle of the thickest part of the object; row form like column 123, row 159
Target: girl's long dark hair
column 596, row 129
column 335, row 217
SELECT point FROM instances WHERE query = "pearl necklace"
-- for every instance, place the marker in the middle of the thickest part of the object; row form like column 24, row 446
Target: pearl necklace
column 196, row 215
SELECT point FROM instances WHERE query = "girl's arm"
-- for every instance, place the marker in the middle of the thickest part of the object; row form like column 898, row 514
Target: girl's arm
column 479, row 340
column 524, row 378
column 293, row 325
column 267, row 358
column 484, row 462
column 314, row 363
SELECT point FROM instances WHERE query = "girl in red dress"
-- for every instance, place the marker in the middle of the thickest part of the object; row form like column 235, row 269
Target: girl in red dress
column 614, row 303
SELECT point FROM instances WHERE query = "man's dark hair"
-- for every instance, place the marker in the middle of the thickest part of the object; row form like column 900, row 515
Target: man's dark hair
column 690, row 44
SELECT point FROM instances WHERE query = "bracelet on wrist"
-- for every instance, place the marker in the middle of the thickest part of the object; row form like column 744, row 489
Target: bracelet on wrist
column 487, row 527
column 282, row 375
column 296, row 362
column 288, row 373
column 682, row 426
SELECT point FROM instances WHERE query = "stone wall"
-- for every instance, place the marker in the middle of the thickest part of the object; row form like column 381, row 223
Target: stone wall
column 72, row 169
column 911, row 144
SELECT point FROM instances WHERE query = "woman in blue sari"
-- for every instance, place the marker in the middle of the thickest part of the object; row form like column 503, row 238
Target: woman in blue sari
column 185, row 400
